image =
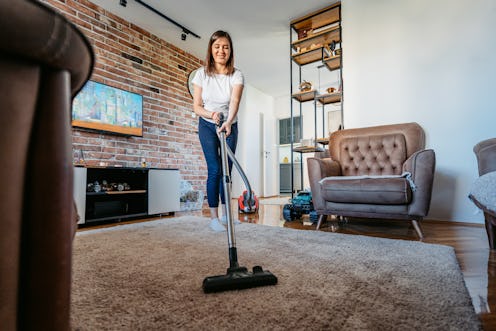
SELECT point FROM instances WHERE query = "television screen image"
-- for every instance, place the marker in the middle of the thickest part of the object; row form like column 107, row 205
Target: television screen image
column 105, row 108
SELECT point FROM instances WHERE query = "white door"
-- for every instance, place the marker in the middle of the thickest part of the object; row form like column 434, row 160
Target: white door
column 270, row 159
column 261, row 154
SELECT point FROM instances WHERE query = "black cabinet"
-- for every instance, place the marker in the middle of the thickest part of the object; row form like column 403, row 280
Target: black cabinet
column 111, row 192
column 285, row 177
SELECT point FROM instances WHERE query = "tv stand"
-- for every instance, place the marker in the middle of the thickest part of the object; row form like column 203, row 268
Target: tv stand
column 115, row 193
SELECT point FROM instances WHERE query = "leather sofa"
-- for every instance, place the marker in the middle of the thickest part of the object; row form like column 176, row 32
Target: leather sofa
column 483, row 191
column 380, row 172
column 44, row 61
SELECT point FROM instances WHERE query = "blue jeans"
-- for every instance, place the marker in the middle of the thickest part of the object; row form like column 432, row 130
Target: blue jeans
column 211, row 149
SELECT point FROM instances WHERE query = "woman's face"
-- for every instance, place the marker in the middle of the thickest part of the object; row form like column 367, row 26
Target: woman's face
column 221, row 50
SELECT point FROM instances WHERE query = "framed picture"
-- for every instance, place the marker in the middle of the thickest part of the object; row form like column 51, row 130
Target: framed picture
column 105, row 108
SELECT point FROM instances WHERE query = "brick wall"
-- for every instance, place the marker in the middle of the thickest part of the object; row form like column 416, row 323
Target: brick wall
column 132, row 59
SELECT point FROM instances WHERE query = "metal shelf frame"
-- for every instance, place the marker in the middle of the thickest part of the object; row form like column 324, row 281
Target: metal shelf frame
column 310, row 55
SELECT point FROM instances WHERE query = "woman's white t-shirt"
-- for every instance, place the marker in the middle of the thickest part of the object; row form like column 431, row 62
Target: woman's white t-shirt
column 217, row 89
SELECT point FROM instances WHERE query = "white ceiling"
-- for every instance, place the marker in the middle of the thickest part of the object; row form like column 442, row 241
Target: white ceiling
column 259, row 29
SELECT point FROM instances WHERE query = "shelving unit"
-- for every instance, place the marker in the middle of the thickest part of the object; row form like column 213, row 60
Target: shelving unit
column 305, row 96
column 315, row 39
column 129, row 192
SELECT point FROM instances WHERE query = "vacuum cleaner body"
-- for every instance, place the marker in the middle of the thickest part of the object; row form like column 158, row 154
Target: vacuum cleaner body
column 247, row 204
column 237, row 277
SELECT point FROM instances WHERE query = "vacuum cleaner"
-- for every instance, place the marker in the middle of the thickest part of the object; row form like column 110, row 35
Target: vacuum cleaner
column 248, row 201
column 236, row 277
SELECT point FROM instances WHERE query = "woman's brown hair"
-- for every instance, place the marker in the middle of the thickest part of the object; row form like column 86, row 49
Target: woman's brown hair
column 209, row 61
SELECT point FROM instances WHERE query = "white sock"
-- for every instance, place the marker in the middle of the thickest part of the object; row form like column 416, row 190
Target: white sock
column 216, row 226
column 223, row 220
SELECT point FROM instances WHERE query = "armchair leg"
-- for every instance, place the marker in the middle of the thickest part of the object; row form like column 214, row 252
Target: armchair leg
column 417, row 228
column 490, row 229
column 321, row 218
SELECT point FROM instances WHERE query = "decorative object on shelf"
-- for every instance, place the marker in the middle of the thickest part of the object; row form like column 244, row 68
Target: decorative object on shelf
column 332, row 46
column 79, row 157
column 106, row 186
column 303, row 33
column 96, row 187
column 120, row 187
column 305, row 86
column 331, row 89
column 307, row 142
column 285, row 160
column 332, row 49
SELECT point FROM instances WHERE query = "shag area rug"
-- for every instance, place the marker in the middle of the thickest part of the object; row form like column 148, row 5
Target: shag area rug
column 148, row 276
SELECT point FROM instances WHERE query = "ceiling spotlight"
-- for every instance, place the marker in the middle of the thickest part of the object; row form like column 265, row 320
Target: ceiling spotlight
column 123, row 3
column 183, row 36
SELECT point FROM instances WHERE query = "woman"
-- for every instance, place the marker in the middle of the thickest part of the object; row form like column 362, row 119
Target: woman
column 217, row 89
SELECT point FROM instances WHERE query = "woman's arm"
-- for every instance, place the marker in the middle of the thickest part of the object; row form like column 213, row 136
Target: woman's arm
column 198, row 105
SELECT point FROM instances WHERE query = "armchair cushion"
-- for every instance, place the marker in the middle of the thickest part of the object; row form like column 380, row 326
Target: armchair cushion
column 381, row 190
column 483, row 192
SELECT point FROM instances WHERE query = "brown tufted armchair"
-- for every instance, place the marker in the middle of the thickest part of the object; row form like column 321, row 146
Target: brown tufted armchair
column 375, row 172
column 44, row 61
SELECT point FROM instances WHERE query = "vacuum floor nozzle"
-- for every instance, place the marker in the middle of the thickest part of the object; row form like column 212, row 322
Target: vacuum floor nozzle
column 239, row 278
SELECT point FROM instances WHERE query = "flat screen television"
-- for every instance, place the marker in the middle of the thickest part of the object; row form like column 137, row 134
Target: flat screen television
column 105, row 108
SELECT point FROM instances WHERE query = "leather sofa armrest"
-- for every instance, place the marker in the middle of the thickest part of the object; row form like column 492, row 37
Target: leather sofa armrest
column 318, row 169
column 421, row 165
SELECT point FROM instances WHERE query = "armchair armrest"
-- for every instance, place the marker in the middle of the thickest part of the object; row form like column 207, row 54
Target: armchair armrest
column 421, row 165
column 485, row 151
column 318, row 169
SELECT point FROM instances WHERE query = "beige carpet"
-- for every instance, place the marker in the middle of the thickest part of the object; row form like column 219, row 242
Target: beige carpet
column 148, row 276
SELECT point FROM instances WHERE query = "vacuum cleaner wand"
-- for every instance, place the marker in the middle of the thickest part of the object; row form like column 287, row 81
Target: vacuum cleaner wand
column 249, row 192
column 237, row 277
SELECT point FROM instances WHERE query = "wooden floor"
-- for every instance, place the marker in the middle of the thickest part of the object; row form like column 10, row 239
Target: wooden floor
column 477, row 262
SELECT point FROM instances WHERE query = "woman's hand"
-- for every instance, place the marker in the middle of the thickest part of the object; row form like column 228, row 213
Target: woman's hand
column 226, row 126
column 215, row 117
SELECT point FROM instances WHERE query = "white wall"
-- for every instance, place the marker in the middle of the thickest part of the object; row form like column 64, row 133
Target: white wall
column 249, row 151
column 431, row 62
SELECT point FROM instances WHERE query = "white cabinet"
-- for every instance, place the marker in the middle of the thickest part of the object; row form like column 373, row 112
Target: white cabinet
column 108, row 193
column 163, row 191
column 80, row 192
